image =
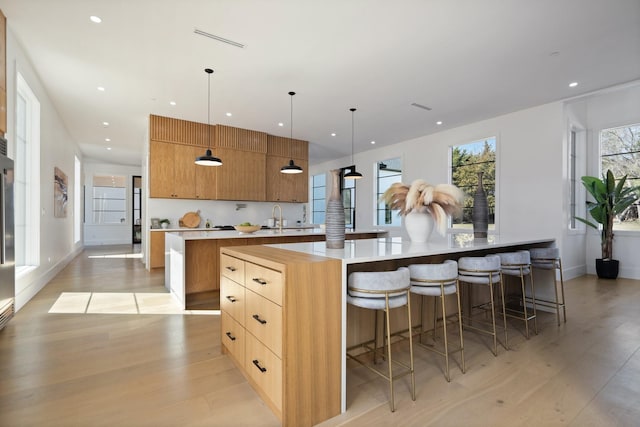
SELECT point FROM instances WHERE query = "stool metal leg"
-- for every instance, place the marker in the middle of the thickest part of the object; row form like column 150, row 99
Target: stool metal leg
column 504, row 313
column 564, row 307
column 388, row 337
column 444, row 329
column 460, row 325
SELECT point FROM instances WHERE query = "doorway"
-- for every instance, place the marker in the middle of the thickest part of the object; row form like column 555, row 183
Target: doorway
column 136, row 213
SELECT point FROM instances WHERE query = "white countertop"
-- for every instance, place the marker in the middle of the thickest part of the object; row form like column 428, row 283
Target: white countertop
column 202, row 234
column 368, row 250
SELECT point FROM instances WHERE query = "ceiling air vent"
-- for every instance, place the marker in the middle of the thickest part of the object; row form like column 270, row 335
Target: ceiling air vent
column 220, row 39
column 424, row 107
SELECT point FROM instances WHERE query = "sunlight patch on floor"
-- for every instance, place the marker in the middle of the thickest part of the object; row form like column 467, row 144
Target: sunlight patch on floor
column 120, row 303
column 132, row 255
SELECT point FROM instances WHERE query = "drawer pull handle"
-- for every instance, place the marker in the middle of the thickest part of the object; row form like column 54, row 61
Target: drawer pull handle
column 257, row 317
column 231, row 337
column 232, row 269
column 257, row 363
column 259, row 280
column 231, row 298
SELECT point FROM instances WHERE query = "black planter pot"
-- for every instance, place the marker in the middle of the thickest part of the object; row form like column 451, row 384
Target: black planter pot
column 607, row 268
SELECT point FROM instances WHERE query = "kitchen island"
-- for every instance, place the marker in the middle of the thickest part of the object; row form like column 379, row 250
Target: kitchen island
column 192, row 272
column 284, row 312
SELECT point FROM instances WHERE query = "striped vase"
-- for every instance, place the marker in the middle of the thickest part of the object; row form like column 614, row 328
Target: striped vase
column 334, row 218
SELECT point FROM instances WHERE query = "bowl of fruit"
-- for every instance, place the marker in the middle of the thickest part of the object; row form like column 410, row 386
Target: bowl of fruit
column 247, row 227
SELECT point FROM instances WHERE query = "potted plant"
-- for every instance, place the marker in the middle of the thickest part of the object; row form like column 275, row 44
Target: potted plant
column 609, row 200
column 164, row 223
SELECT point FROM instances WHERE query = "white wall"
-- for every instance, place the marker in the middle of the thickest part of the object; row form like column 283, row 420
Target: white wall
column 57, row 149
column 610, row 109
column 532, row 171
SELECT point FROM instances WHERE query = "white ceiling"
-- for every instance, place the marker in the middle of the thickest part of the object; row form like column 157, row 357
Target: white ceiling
column 466, row 59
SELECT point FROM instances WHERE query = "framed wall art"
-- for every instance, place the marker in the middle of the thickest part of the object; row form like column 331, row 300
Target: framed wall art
column 60, row 196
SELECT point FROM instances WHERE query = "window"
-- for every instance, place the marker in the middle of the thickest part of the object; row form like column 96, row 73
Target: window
column 109, row 199
column 348, row 190
column 620, row 152
column 27, row 178
column 387, row 172
column 318, row 198
column 466, row 161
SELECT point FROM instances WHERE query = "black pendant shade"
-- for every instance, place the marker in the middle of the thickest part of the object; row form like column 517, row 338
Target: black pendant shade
column 208, row 159
column 291, row 168
column 352, row 174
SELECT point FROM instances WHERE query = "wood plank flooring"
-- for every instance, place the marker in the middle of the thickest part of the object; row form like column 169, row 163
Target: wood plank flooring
column 167, row 369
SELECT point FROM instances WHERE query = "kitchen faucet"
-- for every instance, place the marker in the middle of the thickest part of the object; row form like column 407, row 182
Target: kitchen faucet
column 273, row 214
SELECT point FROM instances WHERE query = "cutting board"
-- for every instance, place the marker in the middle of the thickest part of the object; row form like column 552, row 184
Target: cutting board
column 190, row 220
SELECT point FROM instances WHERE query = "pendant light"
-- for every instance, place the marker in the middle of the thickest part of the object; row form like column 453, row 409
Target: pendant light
column 291, row 168
column 352, row 173
column 208, row 159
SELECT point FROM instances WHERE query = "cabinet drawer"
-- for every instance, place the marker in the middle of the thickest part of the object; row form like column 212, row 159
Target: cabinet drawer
column 264, row 281
column 265, row 369
column 232, row 297
column 233, row 338
column 263, row 319
column 231, row 267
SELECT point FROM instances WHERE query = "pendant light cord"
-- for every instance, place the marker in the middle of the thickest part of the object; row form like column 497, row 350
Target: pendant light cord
column 291, row 127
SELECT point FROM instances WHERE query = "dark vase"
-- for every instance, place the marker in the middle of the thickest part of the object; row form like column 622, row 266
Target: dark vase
column 480, row 214
column 334, row 219
column 607, row 268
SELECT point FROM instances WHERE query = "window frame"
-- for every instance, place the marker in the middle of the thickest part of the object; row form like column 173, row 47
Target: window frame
column 378, row 193
column 322, row 202
column 468, row 227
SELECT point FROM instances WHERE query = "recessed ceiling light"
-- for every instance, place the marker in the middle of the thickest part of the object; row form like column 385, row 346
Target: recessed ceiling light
column 373, row 142
column 95, row 19
column 333, row 134
column 105, row 124
column 101, row 88
column 108, row 139
column 172, row 102
column 109, row 148
column 439, row 122
column 280, row 124
column 229, row 114
column 573, row 84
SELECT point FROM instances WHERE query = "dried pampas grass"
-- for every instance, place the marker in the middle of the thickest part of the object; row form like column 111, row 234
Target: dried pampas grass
column 441, row 201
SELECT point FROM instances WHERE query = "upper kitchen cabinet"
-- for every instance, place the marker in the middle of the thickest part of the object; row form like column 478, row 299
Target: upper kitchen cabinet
column 173, row 147
column 282, row 187
column 3, row 74
column 242, row 174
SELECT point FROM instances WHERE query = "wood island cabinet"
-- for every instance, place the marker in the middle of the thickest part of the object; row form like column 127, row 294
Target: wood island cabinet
column 281, row 325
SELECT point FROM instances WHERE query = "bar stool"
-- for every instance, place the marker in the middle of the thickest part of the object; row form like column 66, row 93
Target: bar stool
column 549, row 259
column 483, row 271
column 438, row 280
column 518, row 264
column 383, row 290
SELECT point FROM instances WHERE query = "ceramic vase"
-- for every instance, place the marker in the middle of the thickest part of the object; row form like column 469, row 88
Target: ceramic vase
column 419, row 226
column 480, row 214
column 334, row 218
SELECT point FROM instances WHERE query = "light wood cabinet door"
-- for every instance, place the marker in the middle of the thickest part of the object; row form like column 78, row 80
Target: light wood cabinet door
column 184, row 176
column 161, row 169
column 241, row 176
column 282, row 187
column 205, row 179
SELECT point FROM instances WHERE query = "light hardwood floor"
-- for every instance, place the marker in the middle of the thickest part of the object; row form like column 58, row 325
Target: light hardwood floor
column 167, row 369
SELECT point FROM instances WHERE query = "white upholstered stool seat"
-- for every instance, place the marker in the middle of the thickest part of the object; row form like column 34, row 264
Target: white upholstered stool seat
column 438, row 280
column 483, row 271
column 549, row 259
column 383, row 290
column 518, row 264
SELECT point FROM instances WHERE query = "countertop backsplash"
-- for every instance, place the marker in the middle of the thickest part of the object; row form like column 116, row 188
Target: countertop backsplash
column 224, row 212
